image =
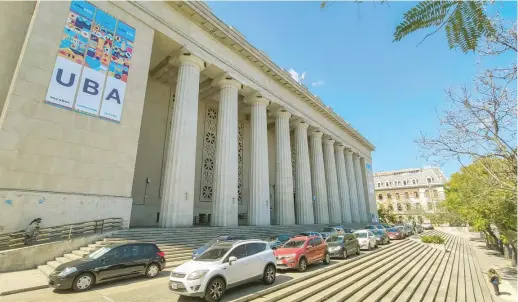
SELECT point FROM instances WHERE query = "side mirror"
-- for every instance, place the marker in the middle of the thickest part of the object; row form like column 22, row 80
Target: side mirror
column 308, row 247
column 231, row 259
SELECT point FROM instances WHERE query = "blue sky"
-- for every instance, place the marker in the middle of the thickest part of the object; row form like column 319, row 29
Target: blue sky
column 388, row 91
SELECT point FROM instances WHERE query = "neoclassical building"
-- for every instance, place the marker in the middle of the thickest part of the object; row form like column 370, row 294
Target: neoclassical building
column 159, row 113
column 410, row 193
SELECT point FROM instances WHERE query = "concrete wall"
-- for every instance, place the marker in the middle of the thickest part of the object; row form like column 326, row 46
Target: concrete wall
column 31, row 256
column 14, row 21
column 48, row 149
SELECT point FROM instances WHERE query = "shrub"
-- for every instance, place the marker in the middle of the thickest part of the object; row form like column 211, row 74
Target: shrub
column 432, row 239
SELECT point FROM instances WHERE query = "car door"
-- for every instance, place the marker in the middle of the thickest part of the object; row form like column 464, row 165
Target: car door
column 112, row 265
column 238, row 270
column 321, row 249
column 372, row 238
column 138, row 259
column 256, row 263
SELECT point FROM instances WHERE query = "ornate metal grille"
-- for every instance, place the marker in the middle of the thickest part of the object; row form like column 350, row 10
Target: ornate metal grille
column 240, row 126
column 209, row 151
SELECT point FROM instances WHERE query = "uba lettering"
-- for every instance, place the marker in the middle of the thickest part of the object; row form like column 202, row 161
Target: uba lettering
column 89, row 86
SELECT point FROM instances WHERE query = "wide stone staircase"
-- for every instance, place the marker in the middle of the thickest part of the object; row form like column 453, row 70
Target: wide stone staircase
column 404, row 271
column 177, row 244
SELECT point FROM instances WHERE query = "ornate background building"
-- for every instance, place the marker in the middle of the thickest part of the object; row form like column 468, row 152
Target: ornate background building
column 411, row 193
column 187, row 124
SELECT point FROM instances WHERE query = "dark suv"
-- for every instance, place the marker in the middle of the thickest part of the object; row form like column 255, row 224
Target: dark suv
column 109, row 263
column 342, row 245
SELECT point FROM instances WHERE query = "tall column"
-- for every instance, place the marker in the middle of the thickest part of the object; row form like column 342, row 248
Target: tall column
column 178, row 194
column 343, row 186
column 284, row 207
column 359, row 185
column 369, row 198
column 259, row 206
column 318, row 178
column 224, row 199
column 303, row 197
column 335, row 209
column 353, row 192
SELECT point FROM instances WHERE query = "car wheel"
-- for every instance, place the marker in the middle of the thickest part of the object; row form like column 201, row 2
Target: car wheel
column 303, row 265
column 344, row 255
column 358, row 250
column 269, row 274
column 83, row 282
column 152, row 270
column 215, row 290
column 327, row 258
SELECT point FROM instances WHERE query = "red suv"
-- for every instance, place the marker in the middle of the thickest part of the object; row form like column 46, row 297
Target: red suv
column 300, row 251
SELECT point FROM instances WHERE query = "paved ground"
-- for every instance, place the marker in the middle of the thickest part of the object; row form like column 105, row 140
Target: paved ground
column 402, row 271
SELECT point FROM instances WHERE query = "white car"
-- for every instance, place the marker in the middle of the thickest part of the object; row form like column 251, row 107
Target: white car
column 224, row 265
column 366, row 239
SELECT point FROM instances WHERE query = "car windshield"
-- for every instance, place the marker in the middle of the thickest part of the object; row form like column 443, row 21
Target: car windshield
column 99, row 253
column 360, row 235
column 294, row 244
column 335, row 239
column 377, row 232
column 212, row 242
column 392, row 230
column 328, row 230
column 380, row 227
column 214, row 253
column 271, row 238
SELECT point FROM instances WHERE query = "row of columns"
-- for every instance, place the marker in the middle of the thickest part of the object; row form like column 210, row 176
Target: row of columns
column 328, row 185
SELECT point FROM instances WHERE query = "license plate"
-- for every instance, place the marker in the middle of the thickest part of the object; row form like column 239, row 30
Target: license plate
column 174, row 286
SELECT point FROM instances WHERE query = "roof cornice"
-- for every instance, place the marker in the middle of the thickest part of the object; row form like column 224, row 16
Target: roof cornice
column 275, row 72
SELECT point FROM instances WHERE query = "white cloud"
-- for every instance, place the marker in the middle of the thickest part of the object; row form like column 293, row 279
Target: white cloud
column 318, row 83
column 296, row 76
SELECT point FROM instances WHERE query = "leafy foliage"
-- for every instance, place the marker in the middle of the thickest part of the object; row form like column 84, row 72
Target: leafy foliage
column 466, row 22
column 386, row 215
column 432, row 239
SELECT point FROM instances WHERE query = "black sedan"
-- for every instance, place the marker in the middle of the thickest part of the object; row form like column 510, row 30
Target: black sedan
column 381, row 237
column 109, row 263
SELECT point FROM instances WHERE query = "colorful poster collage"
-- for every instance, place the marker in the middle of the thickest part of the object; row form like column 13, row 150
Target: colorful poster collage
column 94, row 55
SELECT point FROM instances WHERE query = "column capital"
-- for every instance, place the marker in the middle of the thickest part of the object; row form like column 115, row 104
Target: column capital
column 339, row 147
column 187, row 57
column 226, row 80
column 257, row 98
column 328, row 140
column 300, row 123
column 281, row 112
column 315, row 132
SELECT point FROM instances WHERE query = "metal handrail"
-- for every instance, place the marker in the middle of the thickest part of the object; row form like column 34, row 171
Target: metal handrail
column 56, row 233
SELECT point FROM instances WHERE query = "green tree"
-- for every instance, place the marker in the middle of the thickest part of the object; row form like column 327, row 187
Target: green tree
column 386, row 215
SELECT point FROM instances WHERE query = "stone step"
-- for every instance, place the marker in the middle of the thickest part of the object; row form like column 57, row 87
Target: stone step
column 80, row 253
column 62, row 260
column 72, row 256
column 46, row 269
column 53, row 263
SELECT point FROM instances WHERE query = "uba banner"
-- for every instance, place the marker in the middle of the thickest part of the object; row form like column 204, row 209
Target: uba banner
column 93, row 63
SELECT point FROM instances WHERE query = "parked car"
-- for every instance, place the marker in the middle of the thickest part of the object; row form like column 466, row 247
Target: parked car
column 276, row 241
column 366, row 239
column 395, row 233
column 223, row 266
column 406, row 229
column 109, row 263
column 427, row 226
column 419, row 228
column 386, row 226
column 328, row 231
column 374, row 227
column 342, row 245
column 212, row 242
column 381, row 236
column 310, row 233
column 301, row 251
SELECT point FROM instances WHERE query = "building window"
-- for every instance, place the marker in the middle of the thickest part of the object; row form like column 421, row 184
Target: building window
column 397, row 196
column 427, row 193
column 430, row 206
column 435, row 194
column 389, row 196
column 429, row 180
column 399, row 207
column 379, row 185
column 380, row 196
column 407, row 196
column 386, row 184
column 391, row 207
column 414, row 181
column 404, row 182
column 416, row 194
column 408, row 207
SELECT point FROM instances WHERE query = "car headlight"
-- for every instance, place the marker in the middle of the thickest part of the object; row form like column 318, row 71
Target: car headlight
column 291, row 256
column 197, row 275
column 335, row 249
column 67, row 271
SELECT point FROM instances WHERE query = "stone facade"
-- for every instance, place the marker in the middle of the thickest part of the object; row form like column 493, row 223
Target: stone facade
column 411, row 193
column 200, row 139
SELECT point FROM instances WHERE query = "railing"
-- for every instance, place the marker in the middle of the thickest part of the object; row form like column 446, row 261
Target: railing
column 57, row 233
